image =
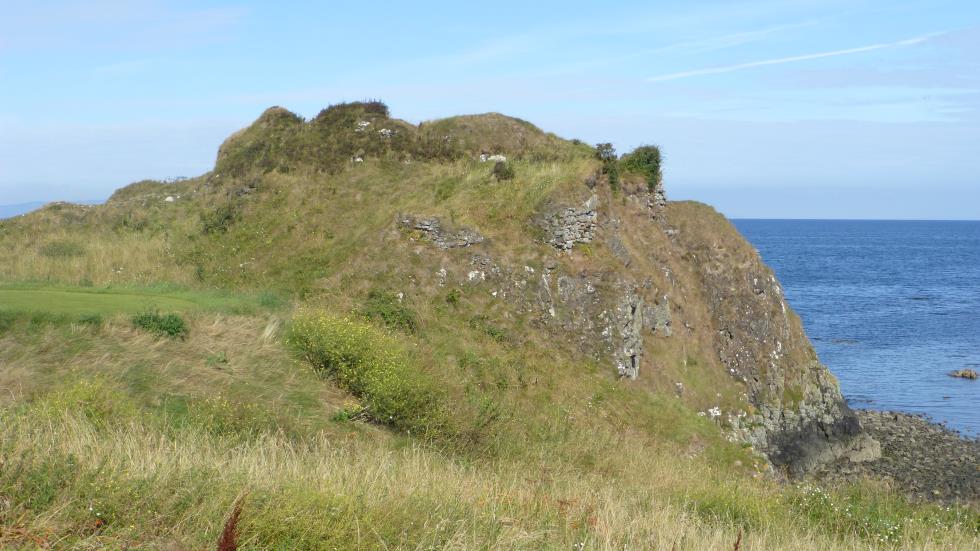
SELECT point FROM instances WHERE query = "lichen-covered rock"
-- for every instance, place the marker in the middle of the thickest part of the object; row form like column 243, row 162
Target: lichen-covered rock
column 432, row 230
column 657, row 317
column 630, row 312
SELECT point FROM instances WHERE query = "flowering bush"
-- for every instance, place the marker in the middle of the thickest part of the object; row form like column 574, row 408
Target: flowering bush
column 372, row 365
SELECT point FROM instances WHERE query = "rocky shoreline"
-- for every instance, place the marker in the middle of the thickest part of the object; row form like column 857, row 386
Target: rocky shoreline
column 924, row 459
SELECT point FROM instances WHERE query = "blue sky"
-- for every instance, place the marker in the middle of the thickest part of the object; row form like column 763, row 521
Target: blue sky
column 793, row 109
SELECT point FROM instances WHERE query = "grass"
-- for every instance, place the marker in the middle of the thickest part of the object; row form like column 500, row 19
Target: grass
column 77, row 456
column 182, row 428
column 34, row 298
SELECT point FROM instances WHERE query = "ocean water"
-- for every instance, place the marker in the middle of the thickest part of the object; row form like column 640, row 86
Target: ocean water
column 891, row 307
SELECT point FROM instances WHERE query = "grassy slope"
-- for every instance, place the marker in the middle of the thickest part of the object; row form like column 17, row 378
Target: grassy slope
column 549, row 451
column 101, row 419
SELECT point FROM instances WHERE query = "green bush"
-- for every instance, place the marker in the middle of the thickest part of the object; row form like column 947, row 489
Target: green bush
column 219, row 219
column 502, row 171
column 387, row 308
column 646, row 160
column 453, row 297
column 171, row 325
column 374, row 367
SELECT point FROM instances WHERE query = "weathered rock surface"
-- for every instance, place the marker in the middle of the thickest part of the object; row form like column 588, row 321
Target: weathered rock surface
column 925, row 460
column 432, row 230
column 801, row 419
column 571, row 225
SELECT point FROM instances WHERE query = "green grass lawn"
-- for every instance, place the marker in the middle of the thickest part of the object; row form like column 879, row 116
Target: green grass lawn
column 70, row 301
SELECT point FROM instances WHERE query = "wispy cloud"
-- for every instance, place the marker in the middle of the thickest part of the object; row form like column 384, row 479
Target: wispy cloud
column 791, row 59
column 729, row 40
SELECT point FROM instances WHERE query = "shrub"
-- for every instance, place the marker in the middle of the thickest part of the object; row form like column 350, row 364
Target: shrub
column 612, row 173
column 502, row 171
column 374, row 367
column 484, row 325
column 171, row 325
column 646, row 160
column 453, row 296
column 387, row 308
column 610, row 163
column 218, row 220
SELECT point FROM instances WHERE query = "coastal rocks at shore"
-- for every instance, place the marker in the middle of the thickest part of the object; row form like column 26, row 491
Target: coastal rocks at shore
column 922, row 459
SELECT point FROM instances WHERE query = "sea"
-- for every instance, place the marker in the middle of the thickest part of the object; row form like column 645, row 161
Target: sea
column 890, row 306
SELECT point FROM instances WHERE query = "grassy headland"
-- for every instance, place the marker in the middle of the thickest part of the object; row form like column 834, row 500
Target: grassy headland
column 357, row 387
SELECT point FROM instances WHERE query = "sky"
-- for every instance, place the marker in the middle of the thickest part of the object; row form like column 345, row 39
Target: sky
column 765, row 109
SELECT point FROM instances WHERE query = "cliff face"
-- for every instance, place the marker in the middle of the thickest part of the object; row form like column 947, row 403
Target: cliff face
column 801, row 420
column 686, row 275
column 670, row 296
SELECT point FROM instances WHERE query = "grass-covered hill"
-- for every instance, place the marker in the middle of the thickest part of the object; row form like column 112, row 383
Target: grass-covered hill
column 376, row 335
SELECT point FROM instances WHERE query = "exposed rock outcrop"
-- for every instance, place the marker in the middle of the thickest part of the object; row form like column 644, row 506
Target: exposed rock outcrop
column 683, row 269
column 570, row 225
column 964, row 374
column 801, row 419
column 432, row 230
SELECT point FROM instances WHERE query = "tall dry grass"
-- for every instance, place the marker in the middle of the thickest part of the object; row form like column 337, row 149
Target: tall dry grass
column 133, row 486
column 87, row 257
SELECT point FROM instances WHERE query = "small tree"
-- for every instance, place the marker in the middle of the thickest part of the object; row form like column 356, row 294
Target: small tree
column 606, row 153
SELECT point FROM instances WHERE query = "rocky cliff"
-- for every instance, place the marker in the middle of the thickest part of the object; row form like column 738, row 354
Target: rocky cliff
column 643, row 285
